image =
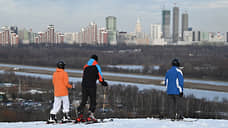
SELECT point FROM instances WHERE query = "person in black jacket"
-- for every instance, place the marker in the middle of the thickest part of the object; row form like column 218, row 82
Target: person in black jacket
column 92, row 72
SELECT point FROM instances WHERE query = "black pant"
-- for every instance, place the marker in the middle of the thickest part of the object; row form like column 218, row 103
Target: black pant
column 91, row 93
column 174, row 105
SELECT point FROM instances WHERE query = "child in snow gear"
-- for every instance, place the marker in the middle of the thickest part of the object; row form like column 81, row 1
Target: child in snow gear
column 92, row 72
column 61, row 85
column 174, row 82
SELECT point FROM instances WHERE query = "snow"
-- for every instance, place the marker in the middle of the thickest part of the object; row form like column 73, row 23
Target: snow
column 127, row 67
column 126, row 123
column 33, row 91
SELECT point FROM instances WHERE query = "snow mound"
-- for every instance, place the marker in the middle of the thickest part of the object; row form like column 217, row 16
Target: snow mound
column 126, row 123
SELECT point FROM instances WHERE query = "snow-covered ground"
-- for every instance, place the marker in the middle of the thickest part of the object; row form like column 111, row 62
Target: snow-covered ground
column 127, row 67
column 126, row 123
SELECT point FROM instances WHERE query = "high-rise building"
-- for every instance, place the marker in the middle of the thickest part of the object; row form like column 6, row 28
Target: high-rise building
column 14, row 29
column 111, row 29
column 59, row 38
column 196, row 36
column 75, row 37
column 138, row 26
column 166, row 24
column 51, row 34
column 24, row 36
column 88, row 34
column 184, row 22
column 187, row 36
column 5, row 35
column 226, row 36
column 175, row 24
column 156, row 32
column 102, row 36
column 14, row 39
column 204, row 36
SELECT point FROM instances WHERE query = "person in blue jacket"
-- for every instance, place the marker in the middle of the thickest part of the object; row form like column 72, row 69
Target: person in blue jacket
column 174, row 82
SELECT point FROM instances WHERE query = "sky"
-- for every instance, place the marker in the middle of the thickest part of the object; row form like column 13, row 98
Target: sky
column 71, row 15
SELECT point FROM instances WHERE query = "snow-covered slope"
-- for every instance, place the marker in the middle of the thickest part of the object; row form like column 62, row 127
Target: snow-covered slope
column 126, row 123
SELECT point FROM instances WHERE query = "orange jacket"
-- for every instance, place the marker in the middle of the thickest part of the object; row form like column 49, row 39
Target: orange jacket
column 60, row 82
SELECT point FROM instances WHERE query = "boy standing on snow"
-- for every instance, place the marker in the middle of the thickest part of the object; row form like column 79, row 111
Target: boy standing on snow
column 61, row 85
column 174, row 82
column 92, row 72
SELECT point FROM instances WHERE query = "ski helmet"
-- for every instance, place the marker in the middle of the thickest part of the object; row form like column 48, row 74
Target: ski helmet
column 175, row 62
column 95, row 57
column 61, row 64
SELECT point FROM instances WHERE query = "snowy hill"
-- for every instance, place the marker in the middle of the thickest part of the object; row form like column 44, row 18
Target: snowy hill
column 127, row 123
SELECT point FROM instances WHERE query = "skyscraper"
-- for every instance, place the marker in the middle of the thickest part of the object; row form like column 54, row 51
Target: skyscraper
column 166, row 24
column 5, row 35
column 226, row 36
column 184, row 24
column 14, row 29
column 111, row 28
column 156, row 32
column 175, row 24
column 138, row 26
column 51, row 34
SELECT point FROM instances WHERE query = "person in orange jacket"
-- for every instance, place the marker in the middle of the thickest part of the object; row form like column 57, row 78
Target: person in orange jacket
column 61, row 85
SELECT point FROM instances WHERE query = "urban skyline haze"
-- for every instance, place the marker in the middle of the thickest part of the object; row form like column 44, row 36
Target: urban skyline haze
column 72, row 15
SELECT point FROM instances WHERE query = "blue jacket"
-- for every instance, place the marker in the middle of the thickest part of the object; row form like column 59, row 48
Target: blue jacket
column 174, row 81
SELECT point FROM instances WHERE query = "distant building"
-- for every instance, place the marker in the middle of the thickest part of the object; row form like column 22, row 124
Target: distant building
column 188, row 36
column 166, row 24
column 14, row 39
column 138, row 26
column 226, row 36
column 204, row 36
column 14, row 29
column 88, row 34
column 75, row 37
column 59, row 38
column 42, row 37
column 175, row 24
column 51, row 34
column 102, row 36
column 184, row 24
column 111, row 29
column 196, row 36
column 24, row 36
column 5, row 40
column 68, row 37
column 156, row 34
column 122, row 37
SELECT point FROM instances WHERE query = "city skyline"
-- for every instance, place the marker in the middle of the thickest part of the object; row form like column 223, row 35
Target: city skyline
column 72, row 15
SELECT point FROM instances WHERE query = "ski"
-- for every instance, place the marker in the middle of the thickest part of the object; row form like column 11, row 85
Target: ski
column 60, row 122
column 189, row 120
column 99, row 121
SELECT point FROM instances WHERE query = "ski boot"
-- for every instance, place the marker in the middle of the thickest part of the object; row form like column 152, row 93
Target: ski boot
column 52, row 119
column 179, row 117
column 66, row 118
column 80, row 118
column 91, row 118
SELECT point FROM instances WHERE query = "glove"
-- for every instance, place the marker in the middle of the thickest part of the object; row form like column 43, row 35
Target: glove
column 181, row 94
column 73, row 85
column 104, row 83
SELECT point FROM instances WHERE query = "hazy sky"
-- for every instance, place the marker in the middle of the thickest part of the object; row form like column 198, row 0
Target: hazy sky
column 71, row 15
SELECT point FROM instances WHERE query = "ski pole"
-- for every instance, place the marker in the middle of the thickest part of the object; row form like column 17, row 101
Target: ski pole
column 104, row 89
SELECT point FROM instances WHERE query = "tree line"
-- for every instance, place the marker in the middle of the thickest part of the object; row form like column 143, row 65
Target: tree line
column 121, row 102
